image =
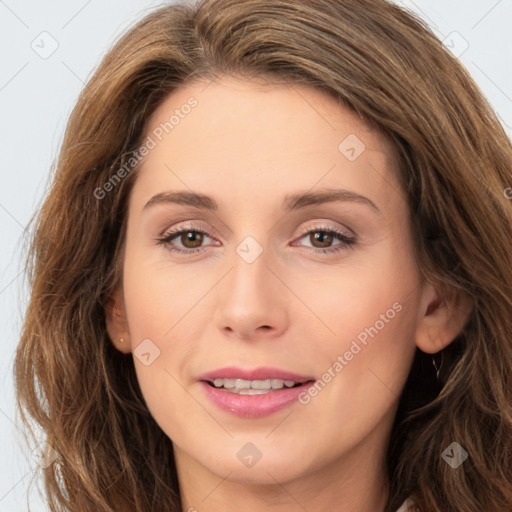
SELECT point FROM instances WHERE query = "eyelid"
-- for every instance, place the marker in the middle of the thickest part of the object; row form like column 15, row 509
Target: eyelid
column 192, row 226
column 323, row 225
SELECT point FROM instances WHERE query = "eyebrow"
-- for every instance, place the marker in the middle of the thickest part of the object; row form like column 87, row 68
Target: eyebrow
column 290, row 203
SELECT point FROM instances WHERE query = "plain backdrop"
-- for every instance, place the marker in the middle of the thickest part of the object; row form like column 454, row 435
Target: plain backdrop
column 48, row 52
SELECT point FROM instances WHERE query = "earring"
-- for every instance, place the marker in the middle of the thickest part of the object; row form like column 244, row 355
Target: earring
column 435, row 366
column 121, row 340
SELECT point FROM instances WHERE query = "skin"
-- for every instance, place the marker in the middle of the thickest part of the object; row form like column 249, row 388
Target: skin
column 248, row 144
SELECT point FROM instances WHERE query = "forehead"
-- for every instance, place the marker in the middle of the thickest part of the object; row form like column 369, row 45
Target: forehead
column 261, row 107
column 254, row 135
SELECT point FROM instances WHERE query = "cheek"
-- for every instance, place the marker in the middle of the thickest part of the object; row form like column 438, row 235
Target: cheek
column 158, row 293
column 363, row 368
column 373, row 331
column 164, row 315
column 362, row 301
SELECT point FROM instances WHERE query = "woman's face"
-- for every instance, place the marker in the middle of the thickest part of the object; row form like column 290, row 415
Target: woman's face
column 272, row 280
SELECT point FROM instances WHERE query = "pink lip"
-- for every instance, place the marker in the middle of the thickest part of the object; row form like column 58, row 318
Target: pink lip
column 253, row 406
column 261, row 373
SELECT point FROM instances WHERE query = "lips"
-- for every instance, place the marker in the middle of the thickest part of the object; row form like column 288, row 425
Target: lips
column 255, row 392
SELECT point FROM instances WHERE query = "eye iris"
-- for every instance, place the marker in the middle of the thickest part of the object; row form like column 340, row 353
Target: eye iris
column 323, row 237
column 189, row 236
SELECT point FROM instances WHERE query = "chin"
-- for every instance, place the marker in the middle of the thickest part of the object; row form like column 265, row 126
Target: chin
column 262, row 473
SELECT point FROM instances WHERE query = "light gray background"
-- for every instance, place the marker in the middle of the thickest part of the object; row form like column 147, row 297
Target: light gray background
column 38, row 91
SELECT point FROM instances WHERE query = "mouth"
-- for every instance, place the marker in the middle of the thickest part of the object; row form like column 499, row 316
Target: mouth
column 253, row 392
column 254, row 387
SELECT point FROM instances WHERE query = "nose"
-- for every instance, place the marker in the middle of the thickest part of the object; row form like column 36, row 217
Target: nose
column 252, row 300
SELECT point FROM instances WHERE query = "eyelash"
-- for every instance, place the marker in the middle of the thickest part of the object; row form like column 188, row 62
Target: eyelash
column 348, row 241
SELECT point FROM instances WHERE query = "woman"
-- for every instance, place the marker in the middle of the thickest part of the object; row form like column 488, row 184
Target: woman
column 274, row 271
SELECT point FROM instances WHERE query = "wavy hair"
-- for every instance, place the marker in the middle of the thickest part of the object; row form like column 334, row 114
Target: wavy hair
column 381, row 62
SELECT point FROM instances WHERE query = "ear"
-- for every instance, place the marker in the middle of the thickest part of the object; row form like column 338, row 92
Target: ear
column 441, row 318
column 117, row 326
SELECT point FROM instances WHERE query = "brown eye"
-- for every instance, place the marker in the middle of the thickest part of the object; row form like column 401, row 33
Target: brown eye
column 186, row 240
column 195, row 238
column 321, row 239
column 324, row 238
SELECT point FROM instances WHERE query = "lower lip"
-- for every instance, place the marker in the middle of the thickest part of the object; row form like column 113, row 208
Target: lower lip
column 253, row 406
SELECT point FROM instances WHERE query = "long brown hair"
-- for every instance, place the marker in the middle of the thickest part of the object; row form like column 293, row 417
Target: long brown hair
column 456, row 161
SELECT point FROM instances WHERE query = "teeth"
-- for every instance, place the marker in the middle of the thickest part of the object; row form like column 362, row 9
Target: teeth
column 242, row 384
column 261, row 384
column 252, row 387
column 252, row 391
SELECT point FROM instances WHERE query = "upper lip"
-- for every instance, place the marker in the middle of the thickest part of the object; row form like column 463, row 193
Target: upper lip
column 260, row 373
